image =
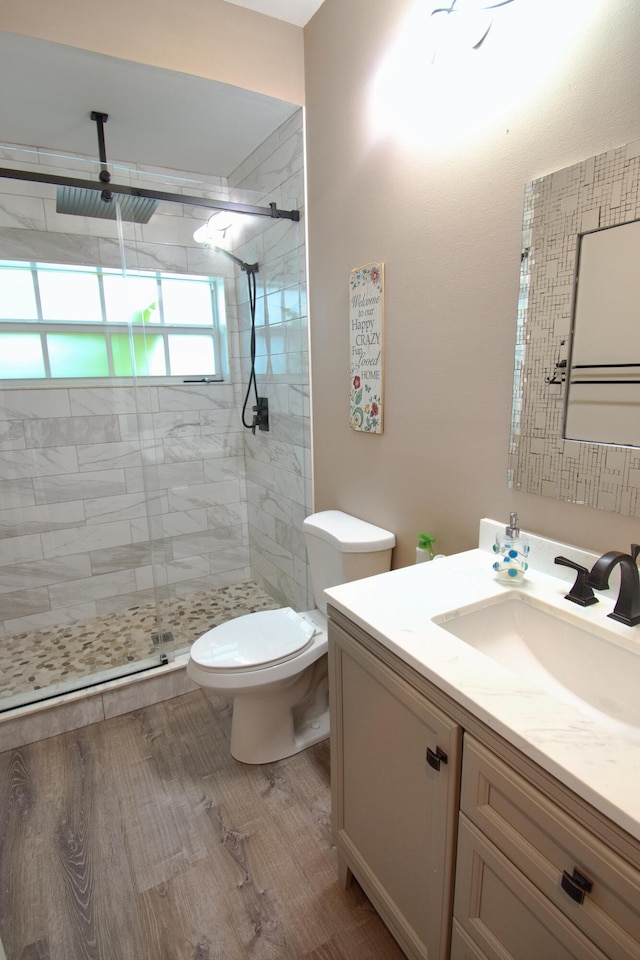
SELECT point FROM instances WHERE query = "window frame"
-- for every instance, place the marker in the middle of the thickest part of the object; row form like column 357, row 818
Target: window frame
column 217, row 331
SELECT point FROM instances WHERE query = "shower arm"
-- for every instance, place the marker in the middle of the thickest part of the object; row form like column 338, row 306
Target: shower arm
column 247, row 267
column 272, row 211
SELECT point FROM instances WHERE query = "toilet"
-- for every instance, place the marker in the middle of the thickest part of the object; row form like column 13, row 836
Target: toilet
column 274, row 663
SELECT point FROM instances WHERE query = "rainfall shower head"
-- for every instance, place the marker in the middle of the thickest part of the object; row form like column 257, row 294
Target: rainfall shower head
column 90, row 203
column 100, row 202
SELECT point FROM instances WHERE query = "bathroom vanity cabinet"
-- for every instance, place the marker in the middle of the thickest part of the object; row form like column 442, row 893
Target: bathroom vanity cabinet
column 467, row 849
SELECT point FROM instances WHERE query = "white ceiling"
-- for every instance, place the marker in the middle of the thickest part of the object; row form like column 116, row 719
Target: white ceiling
column 298, row 12
column 156, row 117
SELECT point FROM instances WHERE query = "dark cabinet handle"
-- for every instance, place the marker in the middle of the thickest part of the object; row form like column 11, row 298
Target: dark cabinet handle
column 435, row 759
column 576, row 885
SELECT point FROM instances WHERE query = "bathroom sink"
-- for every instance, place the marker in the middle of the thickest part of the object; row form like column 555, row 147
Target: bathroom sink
column 578, row 663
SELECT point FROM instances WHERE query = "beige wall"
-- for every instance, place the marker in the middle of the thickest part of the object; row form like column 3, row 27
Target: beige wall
column 444, row 215
column 206, row 38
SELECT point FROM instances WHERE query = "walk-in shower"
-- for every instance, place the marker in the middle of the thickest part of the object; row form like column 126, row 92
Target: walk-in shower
column 135, row 509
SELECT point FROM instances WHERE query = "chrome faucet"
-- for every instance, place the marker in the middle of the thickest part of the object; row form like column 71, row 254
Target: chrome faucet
column 627, row 608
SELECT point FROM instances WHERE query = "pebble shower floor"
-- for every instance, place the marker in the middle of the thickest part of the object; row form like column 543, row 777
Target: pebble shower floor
column 52, row 660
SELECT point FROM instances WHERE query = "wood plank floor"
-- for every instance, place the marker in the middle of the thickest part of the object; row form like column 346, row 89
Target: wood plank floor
column 140, row 838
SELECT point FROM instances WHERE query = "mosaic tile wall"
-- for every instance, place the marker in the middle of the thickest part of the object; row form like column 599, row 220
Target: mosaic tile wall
column 79, row 536
column 602, row 191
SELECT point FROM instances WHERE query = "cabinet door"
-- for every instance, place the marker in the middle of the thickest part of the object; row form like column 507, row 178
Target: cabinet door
column 395, row 813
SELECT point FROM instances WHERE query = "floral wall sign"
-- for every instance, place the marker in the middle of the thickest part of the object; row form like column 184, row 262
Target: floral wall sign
column 366, row 319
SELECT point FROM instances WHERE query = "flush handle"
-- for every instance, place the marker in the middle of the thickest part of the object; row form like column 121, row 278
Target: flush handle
column 576, row 885
column 434, row 759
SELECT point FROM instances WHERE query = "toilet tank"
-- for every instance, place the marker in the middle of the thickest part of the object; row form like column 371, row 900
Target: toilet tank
column 342, row 548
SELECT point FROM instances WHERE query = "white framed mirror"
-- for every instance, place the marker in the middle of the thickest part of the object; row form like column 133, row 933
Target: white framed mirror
column 560, row 210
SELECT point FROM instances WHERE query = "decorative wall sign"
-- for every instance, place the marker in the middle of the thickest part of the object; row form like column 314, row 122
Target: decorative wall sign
column 366, row 321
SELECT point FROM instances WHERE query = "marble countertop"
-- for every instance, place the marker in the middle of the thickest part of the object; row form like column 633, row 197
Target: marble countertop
column 597, row 759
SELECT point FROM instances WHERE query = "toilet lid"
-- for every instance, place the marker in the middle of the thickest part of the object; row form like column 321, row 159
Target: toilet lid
column 254, row 640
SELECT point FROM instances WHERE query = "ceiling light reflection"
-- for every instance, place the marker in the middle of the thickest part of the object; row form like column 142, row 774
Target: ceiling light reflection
column 449, row 76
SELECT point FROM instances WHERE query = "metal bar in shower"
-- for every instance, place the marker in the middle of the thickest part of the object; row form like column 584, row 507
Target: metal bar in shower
column 271, row 211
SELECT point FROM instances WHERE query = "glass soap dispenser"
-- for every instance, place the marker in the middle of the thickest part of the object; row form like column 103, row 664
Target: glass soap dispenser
column 512, row 553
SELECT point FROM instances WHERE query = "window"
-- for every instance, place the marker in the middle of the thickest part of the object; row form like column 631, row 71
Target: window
column 69, row 321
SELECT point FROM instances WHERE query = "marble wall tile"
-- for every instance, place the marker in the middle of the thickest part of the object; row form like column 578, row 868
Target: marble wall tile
column 236, row 557
column 286, row 456
column 25, row 212
column 26, row 403
column 265, row 503
column 22, row 603
column 223, row 468
column 17, row 549
column 169, row 475
column 62, row 431
column 48, row 248
column 48, row 617
column 291, row 486
column 125, row 557
column 20, row 521
column 76, row 486
column 136, row 426
column 143, row 256
column 209, row 541
column 92, row 401
column 12, row 435
column 94, row 588
column 225, row 514
column 16, row 493
column 43, row 462
column 260, row 521
column 41, row 573
column 274, row 580
column 180, row 523
column 179, row 424
column 93, row 456
column 271, row 550
column 188, row 568
column 219, row 419
column 123, row 601
column 83, row 540
column 204, row 495
column 205, row 447
column 126, row 507
column 194, row 396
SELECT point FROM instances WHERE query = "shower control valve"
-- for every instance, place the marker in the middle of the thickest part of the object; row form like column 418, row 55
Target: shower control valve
column 260, row 415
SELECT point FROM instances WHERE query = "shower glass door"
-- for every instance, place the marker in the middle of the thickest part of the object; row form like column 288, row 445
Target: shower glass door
column 79, row 566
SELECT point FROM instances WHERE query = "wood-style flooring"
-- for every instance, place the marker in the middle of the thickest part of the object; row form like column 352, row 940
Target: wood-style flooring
column 140, row 838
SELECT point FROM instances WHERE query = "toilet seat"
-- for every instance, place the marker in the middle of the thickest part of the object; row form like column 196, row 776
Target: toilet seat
column 254, row 640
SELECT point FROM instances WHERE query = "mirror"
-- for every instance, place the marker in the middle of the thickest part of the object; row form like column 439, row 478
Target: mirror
column 603, row 381
column 568, row 216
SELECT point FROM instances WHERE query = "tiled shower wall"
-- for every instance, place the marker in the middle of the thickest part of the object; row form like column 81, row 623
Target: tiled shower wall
column 107, row 492
column 278, row 463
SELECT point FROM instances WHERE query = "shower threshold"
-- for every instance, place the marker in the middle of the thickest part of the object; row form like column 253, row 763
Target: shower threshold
column 49, row 663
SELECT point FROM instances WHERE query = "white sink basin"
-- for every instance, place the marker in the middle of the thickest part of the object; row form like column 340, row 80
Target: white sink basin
column 578, row 663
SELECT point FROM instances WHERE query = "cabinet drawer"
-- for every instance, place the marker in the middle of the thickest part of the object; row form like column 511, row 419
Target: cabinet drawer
column 503, row 913
column 555, row 852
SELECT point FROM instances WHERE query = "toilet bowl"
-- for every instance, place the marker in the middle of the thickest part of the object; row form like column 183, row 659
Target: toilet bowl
column 273, row 663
